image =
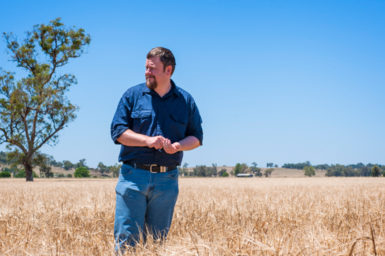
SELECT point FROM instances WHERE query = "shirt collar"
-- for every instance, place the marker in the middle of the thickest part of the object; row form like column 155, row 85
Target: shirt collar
column 173, row 90
column 146, row 89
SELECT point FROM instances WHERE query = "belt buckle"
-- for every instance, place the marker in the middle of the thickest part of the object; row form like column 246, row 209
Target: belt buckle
column 152, row 165
column 163, row 168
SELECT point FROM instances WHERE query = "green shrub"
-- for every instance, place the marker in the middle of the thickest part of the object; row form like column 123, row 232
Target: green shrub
column 376, row 171
column 21, row 174
column 5, row 174
column 82, row 172
column 225, row 174
column 69, row 175
column 309, row 171
column 49, row 175
column 60, row 175
column 268, row 172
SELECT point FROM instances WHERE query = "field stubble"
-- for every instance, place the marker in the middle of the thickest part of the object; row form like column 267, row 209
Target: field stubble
column 213, row 216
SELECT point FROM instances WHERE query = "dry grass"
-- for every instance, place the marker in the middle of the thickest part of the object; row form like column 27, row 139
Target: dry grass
column 213, row 216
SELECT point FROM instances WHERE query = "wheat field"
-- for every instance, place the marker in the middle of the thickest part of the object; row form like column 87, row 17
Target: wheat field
column 213, row 216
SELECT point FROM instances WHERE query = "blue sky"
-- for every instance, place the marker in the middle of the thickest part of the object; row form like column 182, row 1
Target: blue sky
column 275, row 81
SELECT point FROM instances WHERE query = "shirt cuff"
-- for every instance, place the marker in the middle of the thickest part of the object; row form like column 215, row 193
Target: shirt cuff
column 199, row 137
column 117, row 133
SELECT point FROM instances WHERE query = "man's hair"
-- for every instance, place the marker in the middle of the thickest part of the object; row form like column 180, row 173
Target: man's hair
column 165, row 56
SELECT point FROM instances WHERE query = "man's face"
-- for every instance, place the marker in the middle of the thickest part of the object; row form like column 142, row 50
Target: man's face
column 155, row 73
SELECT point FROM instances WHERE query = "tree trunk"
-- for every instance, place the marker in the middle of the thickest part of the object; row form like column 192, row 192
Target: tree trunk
column 28, row 171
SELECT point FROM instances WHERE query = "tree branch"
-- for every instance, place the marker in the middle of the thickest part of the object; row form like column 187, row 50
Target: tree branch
column 13, row 142
column 61, row 126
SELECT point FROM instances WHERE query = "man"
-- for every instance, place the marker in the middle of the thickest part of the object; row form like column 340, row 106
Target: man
column 154, row 123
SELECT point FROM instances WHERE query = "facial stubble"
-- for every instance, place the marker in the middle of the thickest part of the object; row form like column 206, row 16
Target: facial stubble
column 151, row 84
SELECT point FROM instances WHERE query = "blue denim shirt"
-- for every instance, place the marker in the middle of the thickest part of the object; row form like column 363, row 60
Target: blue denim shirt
column 174, row 116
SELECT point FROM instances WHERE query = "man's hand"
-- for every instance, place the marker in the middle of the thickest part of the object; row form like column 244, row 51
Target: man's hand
column 156, row 142
column 171, row 148
column 132, row 139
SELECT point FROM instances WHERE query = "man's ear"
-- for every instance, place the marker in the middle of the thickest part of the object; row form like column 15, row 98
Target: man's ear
column 169, row 70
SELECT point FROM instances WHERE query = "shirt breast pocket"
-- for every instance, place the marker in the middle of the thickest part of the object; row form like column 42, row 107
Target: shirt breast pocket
column 141, row 121
column 178, row 125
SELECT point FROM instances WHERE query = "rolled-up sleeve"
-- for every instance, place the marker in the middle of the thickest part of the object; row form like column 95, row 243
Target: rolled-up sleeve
column 121, row 120
column 194, row 127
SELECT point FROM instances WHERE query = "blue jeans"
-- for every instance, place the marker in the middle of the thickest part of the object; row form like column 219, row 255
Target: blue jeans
column 144, row 203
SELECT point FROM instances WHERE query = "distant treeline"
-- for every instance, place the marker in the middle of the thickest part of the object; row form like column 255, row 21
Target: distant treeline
column 45, row 162
column 350, row 170
column 66, row 164
column 301, row 166
column 215, row 171
column 358, row 169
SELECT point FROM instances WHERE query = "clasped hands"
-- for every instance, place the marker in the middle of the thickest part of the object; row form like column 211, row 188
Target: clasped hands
column 159, row 142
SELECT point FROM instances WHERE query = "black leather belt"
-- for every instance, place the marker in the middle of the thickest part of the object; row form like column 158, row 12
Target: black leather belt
column 151, row 167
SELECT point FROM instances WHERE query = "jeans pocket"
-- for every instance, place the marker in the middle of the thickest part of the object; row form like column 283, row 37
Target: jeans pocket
column 125, row 171
column 173, row 174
